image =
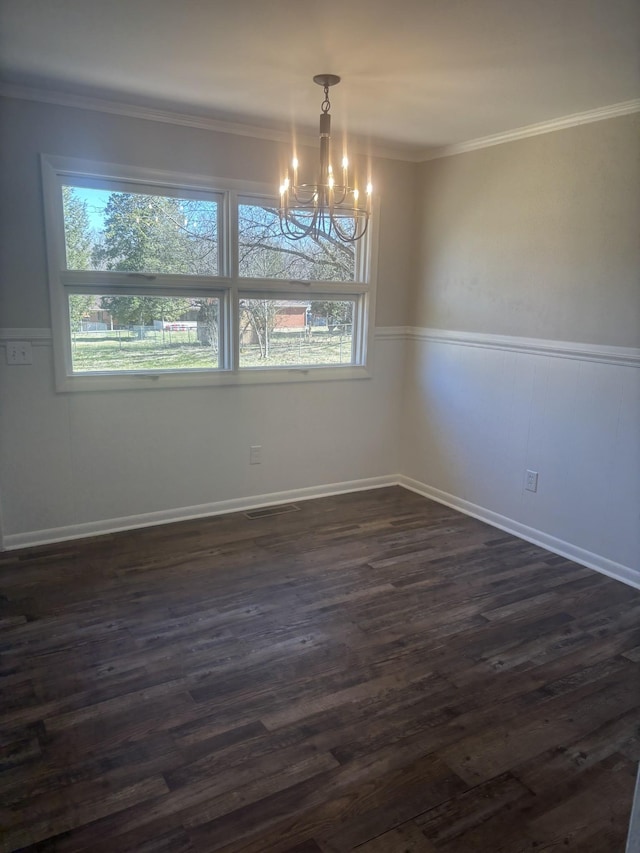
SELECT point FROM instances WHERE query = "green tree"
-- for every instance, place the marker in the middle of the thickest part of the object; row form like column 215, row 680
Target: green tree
column 143, row 310
column 77, row 231
column 158, row 234
column 80, row 306
column 78, row 244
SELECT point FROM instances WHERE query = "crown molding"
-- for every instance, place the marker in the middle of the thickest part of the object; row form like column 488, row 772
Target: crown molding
column 408, row 153
column 600, row 114
column 103, row 105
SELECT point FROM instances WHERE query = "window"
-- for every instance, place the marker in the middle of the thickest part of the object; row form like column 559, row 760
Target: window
column 124, row 333
column 176, row 280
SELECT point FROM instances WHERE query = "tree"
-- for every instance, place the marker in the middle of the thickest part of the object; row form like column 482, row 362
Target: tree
column 208, row 319
column 259, row 315
column 148, row 233
column 158, row 234
column 143, row 310
column 77, row 231
column 265, row 253
column 78, row 243
column 336, row 313
column 80, row 305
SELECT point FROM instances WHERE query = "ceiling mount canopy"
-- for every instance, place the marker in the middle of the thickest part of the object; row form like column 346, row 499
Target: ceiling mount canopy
column 330, row 207
column 326, row 80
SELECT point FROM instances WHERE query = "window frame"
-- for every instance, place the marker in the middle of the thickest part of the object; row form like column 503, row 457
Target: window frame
column 226, row 285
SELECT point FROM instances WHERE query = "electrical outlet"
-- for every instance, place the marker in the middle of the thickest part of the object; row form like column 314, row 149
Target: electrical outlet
column 255, row 454
column 531, row 481
column 19, row 352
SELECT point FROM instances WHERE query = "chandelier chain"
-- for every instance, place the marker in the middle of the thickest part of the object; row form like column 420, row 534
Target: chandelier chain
column 326, row 104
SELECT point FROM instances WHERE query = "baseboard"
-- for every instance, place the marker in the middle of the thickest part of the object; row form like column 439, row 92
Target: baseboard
column 152, row 519
column 537, row 537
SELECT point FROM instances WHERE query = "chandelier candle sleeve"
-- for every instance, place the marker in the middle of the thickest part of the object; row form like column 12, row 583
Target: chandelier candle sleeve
column 326, row 208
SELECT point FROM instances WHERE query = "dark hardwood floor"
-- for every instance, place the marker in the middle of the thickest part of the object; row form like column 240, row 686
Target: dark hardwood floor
column 373, row 672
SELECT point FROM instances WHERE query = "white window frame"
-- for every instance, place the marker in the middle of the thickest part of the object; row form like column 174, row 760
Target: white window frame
column 227, row 286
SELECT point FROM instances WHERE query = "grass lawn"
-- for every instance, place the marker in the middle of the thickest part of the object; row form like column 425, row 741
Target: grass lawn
column 121, row 350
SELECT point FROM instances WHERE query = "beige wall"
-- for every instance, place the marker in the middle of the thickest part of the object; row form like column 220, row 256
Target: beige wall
column 532, row 239
column 536, row 238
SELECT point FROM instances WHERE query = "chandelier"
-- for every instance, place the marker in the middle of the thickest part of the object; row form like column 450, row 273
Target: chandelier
column 330, row 207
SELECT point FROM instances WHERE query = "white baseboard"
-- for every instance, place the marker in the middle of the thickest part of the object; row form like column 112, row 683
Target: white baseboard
column 115, row 525
column 529, row 534
column 152, row 519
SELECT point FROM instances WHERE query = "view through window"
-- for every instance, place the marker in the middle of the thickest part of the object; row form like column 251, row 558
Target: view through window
column 147, row 281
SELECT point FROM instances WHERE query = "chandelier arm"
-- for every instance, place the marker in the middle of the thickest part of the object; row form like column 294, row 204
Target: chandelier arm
column 311, row 189
column 345, row 192
column 358, row 230
column 346, row 236
column 298, row 231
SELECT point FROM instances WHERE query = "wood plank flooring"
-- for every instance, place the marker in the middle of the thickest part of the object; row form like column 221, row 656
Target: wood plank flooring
column 373, row 672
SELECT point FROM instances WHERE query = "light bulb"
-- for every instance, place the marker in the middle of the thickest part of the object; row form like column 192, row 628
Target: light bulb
column 355, row 196
column 331, row 181
column 294, row 163
column 345, row 162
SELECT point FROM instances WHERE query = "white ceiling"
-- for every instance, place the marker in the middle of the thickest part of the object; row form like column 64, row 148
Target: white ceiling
column 414, row 73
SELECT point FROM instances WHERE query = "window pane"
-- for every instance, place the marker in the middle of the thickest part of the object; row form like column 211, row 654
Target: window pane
column 130, row 232
column 117, row 333
column 265, row 253
column 291, row 333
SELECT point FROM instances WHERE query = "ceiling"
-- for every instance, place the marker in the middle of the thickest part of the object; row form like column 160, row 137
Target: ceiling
column 415, row 73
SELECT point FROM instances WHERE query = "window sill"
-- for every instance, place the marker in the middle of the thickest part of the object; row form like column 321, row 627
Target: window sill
column 208, row 378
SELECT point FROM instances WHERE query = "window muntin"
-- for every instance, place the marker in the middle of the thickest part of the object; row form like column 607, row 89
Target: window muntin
column 264, row 253
column 73, row 275
column 120, row 333
column 112, row 229
column 295, row 333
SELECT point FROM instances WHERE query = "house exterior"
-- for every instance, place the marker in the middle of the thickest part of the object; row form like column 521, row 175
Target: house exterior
column 291, row 315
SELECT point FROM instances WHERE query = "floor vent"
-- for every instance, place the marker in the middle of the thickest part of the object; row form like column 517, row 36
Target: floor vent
column 266, row 511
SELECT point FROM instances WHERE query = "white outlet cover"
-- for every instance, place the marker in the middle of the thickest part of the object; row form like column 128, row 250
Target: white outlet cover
column 19, row 352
